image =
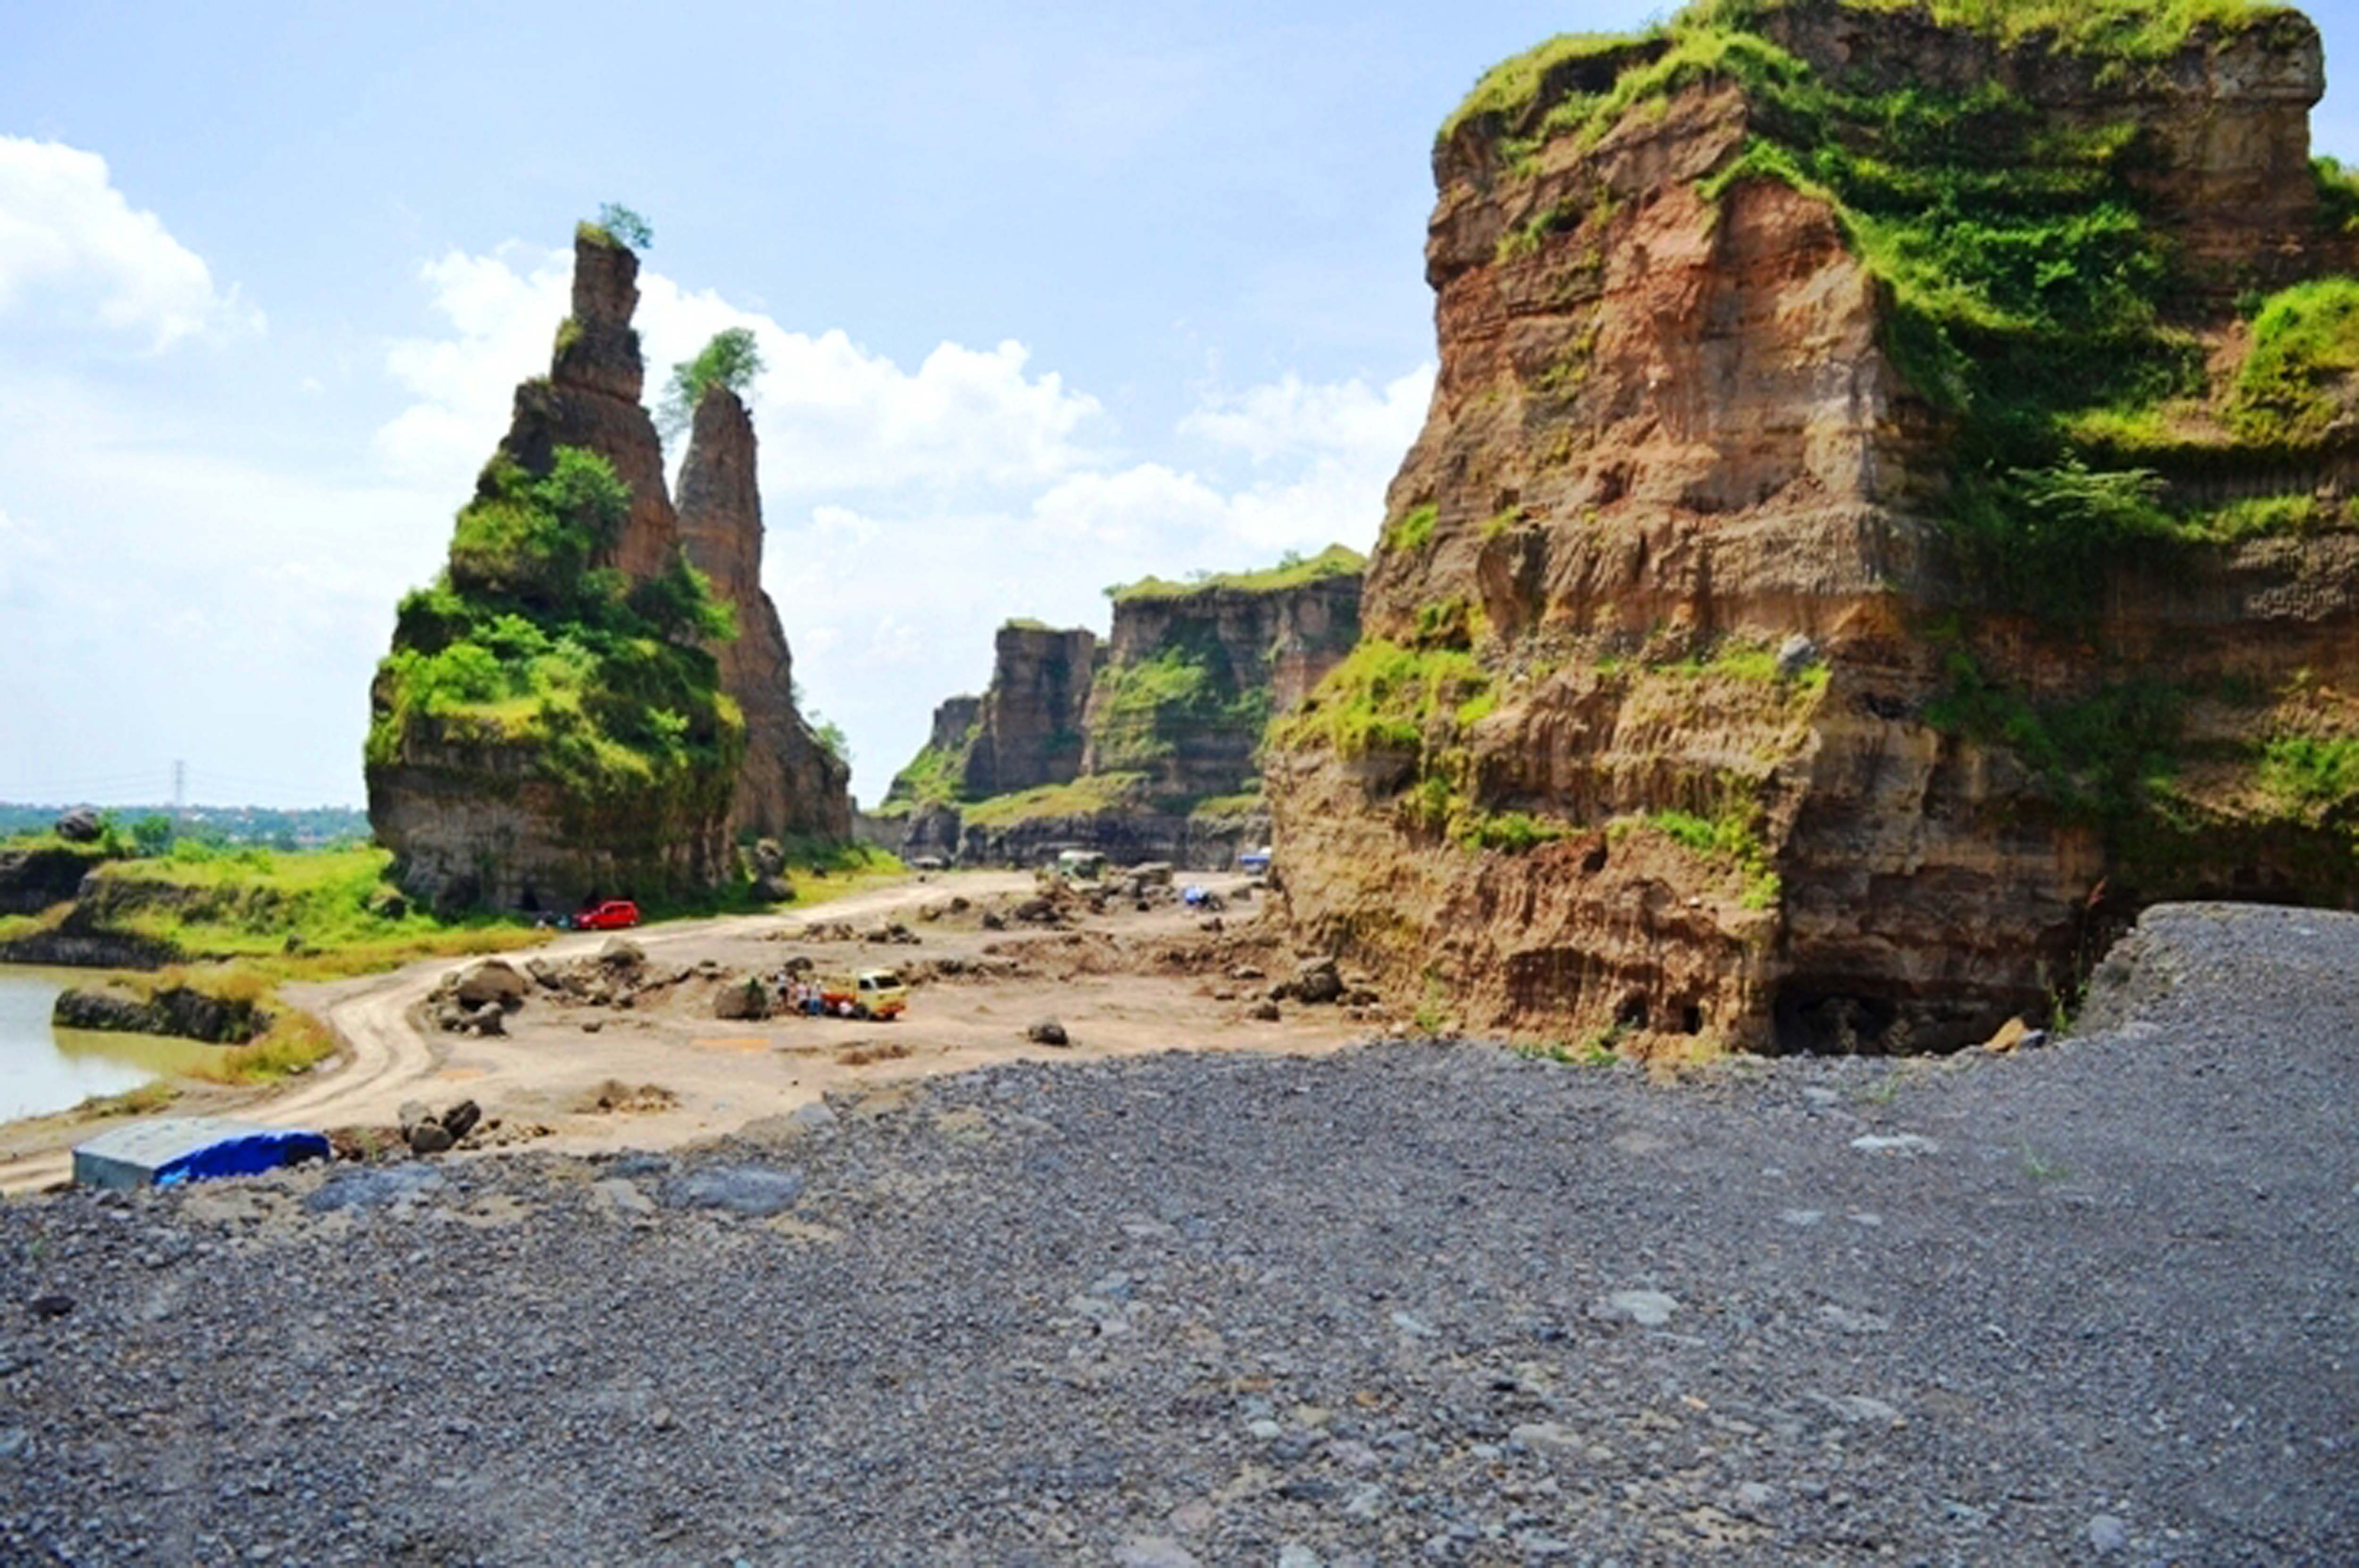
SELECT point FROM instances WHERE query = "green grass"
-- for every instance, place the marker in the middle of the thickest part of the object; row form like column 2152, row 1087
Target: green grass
column 2130, row 30
column 2297, row 384
column 1295, row 571
column 1082, row 797
column 2311, row 771
column 1214, row 806
column 146, row 1100
column 2338, row 195
column 313, row 915
column 1384, row 697
column 1509, row 87
column 1513, row 832
column 2259, row 516
column 935, row 774
column 1411, row 529
column 1729, row 838
column 1596, row 1049
column 2100, row 759
column 1142, row 710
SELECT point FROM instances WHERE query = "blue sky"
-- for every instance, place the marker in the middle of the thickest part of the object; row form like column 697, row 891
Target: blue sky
column 1054, row 294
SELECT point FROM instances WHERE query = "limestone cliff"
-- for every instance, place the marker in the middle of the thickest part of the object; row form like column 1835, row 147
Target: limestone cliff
column 1143, row 746
column 549, row 724
column 1858, row 552
column 789, row 786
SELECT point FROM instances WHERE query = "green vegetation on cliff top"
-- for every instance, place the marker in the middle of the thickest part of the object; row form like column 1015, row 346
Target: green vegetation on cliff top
column 1294, row 571
column 731, row 361
column 1083, row 796
column 2134, row 30
column 608, row 685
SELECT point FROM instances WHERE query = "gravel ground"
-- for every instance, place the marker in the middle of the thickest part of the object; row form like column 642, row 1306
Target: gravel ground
column 1412, row 1302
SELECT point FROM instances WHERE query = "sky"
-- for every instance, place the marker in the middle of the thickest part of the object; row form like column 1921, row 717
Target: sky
column 1052, row 296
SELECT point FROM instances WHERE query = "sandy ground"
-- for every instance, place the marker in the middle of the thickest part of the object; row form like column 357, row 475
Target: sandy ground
column 1123, row 983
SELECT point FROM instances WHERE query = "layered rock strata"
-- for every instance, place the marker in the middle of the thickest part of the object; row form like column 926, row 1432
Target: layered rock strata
column 1791, row 625
column 789, row 786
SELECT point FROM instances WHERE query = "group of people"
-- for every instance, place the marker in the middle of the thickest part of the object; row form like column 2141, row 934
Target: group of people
column 798, row 994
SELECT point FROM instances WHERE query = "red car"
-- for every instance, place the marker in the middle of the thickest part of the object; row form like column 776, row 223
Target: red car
column 614, row 914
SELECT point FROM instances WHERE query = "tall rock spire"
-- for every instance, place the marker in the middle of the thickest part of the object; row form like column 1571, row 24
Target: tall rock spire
column 788, row 785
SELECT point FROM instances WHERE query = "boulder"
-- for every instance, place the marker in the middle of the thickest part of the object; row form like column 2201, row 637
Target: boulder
column 81, row 826
column 747, row 999
column 490, row 1018
column 1046, row 1032
column 493, row 980
column 1317, row 980
column 622, row 953
column 461, row 1119
column 1264, row 1011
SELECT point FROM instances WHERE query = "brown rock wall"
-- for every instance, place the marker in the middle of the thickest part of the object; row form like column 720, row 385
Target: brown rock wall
column 789, row 786
column 1667, row 443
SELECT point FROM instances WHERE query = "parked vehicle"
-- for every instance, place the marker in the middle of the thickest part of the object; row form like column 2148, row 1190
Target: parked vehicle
column 609, row 914
column 1254, row 862
column 872, row 993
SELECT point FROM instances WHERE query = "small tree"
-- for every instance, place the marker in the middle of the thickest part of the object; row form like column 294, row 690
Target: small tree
column 625, row 226
column 732, row 359
column 831, row 737
column 152, row 833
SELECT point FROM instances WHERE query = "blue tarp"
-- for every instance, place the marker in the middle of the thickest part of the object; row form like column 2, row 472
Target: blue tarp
column 168, row 1152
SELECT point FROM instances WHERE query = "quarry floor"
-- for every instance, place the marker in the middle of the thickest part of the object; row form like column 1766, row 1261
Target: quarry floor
column 1096, row 974
column 1402, row 1302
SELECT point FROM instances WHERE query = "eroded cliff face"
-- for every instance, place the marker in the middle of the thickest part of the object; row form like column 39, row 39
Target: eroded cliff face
column 1029, row 729
column 789, row 787
column 1191, row 678
column 1727, row 669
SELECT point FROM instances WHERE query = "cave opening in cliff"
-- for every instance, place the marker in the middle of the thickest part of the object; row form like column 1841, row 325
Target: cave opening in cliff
column 1819, row 1017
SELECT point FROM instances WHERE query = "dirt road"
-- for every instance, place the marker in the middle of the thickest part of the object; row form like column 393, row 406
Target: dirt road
column 705, row 1076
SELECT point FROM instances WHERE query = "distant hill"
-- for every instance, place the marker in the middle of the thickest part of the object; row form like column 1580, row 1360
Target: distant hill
column 300, row 827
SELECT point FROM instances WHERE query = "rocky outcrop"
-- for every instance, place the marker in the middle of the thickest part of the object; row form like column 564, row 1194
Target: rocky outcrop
column 1191, row 674
column 546, row 730
column 181, row 1011
column 1029, row 727
column 32, row 880
column 1790, row 625
column 1152, row 735
column 789, row 786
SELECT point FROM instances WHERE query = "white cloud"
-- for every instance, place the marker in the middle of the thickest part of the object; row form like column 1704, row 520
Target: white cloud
column 74, row 252
column 1290, row 417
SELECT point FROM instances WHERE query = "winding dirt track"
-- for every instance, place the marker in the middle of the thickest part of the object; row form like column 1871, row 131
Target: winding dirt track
column 384, row 1057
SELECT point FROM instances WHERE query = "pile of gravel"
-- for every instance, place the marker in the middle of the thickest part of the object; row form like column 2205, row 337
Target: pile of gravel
column 1409, row 1303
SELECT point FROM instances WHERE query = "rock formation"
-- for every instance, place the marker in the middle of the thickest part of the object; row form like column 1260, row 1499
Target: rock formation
column 1857, row 554
column 789, row 786
column 1153, row 734
column 552, row 723
column 1028, row 731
